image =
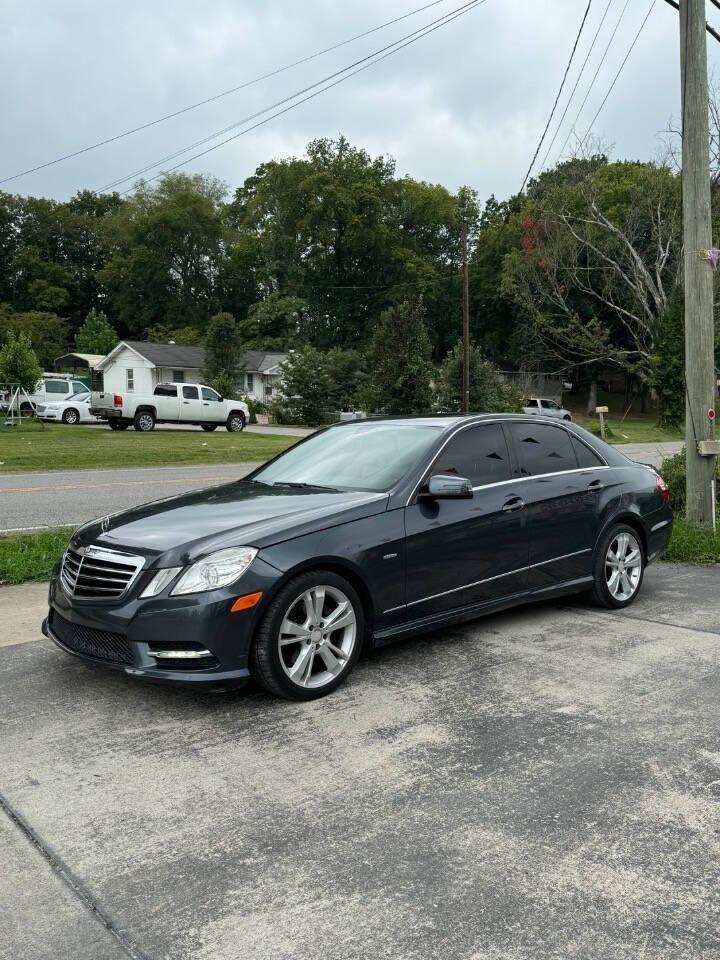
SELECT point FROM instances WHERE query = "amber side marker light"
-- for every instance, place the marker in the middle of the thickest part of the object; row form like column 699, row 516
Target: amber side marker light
column 244, row 603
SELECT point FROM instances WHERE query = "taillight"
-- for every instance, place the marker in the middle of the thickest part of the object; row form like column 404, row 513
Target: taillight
column 117, row 400
column 663, row 489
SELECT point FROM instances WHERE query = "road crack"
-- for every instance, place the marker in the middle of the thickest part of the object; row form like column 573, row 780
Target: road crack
column 61, row 870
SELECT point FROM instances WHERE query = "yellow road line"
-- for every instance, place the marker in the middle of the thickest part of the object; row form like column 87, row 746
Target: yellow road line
column 112, row 483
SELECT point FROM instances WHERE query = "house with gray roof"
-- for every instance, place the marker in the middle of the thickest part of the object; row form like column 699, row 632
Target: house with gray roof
column 135, row 366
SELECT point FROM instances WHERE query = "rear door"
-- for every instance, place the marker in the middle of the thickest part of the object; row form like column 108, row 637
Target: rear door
column 561, row 494
column 167, row 402
column 468, row 551
column 191, row 406
column 213, row 409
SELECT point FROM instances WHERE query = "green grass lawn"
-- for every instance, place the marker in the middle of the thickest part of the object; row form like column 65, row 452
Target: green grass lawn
column 31, row 556
column 37, row 446
column 637, row 428
column 692, row 545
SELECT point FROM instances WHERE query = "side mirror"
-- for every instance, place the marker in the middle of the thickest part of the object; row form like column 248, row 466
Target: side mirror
column 220, row 399
column 449, row 487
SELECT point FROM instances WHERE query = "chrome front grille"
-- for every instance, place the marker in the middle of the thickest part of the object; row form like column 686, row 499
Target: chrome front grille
column 94, row 573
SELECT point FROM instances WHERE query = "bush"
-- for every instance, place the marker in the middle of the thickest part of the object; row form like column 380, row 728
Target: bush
column 489, row 391
column 674, row 473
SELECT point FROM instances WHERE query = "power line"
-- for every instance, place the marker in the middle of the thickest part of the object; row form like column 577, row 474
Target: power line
column 577, row 81
column 592, row 82
column 224, row 93
column 552, row 112
column 378, row 55
column 620, row 68
column 710, row 30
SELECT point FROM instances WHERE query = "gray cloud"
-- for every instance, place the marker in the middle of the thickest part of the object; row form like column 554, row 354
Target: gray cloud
column 466, row 104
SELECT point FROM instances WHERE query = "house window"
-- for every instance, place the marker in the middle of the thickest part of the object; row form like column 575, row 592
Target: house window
column 130, row 379
column 250, row 381
column 178, row 376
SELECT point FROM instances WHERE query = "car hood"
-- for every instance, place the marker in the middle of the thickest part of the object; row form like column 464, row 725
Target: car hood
column 181, row 528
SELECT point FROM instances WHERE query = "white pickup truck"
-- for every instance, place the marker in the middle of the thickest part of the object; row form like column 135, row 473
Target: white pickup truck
column 170, row 403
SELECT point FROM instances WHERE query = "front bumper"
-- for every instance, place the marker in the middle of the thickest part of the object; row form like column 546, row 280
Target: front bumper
column 122, row 635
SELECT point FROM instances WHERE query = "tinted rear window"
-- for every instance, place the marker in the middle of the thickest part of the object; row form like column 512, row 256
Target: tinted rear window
column 479, row 454
column 585, row 456
column 165, row 390
column 542, row 449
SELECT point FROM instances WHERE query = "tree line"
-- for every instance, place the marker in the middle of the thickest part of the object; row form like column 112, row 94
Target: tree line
column 356, row 270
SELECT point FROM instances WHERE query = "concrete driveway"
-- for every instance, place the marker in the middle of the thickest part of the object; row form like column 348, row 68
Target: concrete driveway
column 541, row 784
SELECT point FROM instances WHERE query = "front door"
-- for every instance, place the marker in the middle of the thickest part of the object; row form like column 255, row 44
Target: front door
column 212, row 406
column 461, row 552
column 191, row 405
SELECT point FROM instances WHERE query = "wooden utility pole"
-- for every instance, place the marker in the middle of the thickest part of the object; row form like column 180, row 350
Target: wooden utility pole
column 697, row 241
column 466, row 329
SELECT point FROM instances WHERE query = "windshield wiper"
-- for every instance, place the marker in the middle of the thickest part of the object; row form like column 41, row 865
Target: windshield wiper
column 304, row 486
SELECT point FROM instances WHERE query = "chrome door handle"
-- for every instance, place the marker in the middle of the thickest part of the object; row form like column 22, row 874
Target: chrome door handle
column 596, row 486
column 515, row 503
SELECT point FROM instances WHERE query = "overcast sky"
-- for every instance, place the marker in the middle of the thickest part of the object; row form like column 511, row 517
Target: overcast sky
column 466, row 104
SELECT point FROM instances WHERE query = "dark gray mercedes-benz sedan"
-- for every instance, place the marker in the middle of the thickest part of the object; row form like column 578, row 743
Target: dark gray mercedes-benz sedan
column 359, row 534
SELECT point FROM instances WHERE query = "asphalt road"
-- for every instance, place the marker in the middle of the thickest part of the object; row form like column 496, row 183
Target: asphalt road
column 540, row 785
column 32, row 501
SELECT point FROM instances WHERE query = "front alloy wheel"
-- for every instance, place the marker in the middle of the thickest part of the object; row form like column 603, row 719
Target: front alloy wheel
column 71, row 416
column 619, row 567
column 310, row 637
column 235, row 423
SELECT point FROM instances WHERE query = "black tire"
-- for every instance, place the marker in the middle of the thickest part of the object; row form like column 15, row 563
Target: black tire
column 144, row 421
column 209, row 427
column 600, row 592
column 71, row 416
column 118, row 424
column 265, row 662
column 235, row 422
column 567, row 417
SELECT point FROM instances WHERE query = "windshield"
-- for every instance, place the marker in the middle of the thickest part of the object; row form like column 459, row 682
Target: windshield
column 362, row 456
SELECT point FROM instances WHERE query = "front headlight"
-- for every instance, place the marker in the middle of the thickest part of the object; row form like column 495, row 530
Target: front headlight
column 217, row 570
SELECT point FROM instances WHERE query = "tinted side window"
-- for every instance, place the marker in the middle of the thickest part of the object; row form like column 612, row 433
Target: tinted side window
column 542, row 449
column 208, row 394
column 165, row 390
column 190, row 393
column 585, row 456
column 480, row 454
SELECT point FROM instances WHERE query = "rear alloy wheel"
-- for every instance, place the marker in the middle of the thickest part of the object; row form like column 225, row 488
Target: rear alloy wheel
column 144, row 421
column 71, row 416
column 619, row 567
column 235, row 422
column 209, row 427
column 310, row 637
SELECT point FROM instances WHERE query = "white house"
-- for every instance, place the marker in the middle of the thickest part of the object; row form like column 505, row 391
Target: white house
column 137, row 367
column 261, row 372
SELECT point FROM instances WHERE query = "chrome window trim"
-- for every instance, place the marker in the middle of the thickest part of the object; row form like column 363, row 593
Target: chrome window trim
column 498, row 576
column 528, row 418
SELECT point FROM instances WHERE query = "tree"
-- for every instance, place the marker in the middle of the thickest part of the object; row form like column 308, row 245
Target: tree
column 306, row 385
column 599, row 263
column 400, row 360
column 489, row 391
column 668, row 378
column 96, row 335
column 222, row 353
column 18, row 362
column 166, row 247
column 47, row 332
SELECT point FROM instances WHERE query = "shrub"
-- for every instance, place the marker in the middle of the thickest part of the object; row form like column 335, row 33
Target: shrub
column 674, row 473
